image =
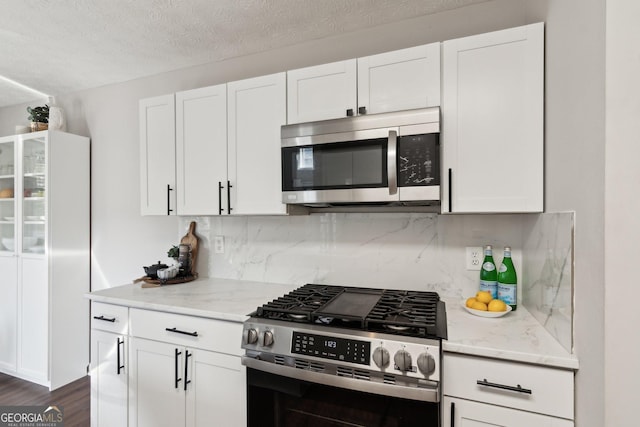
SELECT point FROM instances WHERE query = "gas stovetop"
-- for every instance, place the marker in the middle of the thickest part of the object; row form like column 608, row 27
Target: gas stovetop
column 400, row 312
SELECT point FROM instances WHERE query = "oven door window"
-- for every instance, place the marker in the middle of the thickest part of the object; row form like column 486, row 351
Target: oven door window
column 276, row 401
column 333, row 166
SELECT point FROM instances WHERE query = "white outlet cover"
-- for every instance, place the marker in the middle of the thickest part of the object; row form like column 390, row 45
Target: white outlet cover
column 473, row 257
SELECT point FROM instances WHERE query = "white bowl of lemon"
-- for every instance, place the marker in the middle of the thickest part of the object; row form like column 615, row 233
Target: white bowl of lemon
column 484, row 305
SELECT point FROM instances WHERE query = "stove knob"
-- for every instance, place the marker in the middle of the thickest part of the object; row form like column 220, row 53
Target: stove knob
column 381, row 357
column 426, row 364
column 402, row 359
column 251, row 336
column 267, row 339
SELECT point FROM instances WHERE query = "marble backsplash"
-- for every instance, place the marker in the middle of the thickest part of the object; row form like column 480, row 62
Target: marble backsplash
column 418, row 251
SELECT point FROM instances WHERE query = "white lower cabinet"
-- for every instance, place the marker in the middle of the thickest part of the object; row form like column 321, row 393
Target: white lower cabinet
column 109, row 365
column 487, row 392
column 466, row 413
column 185, row 371
column 108, row 379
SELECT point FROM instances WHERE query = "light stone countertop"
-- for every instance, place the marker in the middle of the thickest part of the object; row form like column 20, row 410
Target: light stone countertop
column 516, row 337
column 222, row 299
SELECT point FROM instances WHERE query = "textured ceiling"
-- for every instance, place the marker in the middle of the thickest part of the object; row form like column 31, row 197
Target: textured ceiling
column 62, row 46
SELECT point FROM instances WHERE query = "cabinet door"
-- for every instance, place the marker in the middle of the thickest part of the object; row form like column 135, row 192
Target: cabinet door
column 217, row 392
column 399, row 80
column 156, row 382
column 108, row 379
column 466, row 413
column 321, row 92
column 493, row 88
column 8, row 312
column 157, row 156
column 257, row 110
column 201, row 149
column 8, row 190
column 33, row 338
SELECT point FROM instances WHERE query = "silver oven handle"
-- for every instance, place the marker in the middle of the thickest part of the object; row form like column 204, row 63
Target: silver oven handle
column 392, row 172
column 426, row 394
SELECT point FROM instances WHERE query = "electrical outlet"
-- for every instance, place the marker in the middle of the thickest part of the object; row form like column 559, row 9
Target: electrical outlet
column 218, row 244
column 474, row 257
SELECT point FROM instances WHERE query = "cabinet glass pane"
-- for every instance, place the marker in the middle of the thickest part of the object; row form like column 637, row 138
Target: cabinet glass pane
column 34, row 192
column 7, row 199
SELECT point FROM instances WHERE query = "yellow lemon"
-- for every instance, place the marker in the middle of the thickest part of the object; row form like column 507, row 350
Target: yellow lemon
column 479, row 306
column 497, row 305
column 470, row 301
column 484, row 296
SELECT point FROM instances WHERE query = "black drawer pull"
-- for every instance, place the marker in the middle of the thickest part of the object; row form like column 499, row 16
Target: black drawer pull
column 517, row 388
column 178, row 331
column 106, row 319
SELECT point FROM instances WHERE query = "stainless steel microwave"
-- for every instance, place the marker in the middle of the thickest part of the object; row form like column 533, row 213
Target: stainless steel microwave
column 386, row 159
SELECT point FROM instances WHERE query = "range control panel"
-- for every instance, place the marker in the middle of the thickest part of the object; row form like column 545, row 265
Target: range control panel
column 399, row 355
column 329, row 347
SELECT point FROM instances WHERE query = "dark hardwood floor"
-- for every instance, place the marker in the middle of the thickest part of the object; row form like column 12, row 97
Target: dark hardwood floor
column 74, row 398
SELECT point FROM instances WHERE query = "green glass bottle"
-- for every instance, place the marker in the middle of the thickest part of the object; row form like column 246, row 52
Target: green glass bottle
column 488, row 273
column 508, row 280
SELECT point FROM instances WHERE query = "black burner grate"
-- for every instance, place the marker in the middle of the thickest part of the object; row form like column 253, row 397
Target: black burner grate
column 411, row 313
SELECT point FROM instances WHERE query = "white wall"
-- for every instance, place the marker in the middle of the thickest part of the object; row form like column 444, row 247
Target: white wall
column 622, row 209
column 123, row 241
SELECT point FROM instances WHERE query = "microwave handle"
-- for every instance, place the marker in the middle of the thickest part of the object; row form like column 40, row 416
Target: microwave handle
column 392, row 173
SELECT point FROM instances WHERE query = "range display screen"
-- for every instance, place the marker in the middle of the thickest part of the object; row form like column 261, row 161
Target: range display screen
column 341, row 349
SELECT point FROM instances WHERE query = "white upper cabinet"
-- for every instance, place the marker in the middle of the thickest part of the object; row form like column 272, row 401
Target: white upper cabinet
column 157, row 156
column 392, row 81
column 256, row 111
column 492, row 108
column 201, row 149
column 321, row 92
column 400, row 80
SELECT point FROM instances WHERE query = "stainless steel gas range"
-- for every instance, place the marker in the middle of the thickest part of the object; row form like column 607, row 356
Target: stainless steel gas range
column 326, row 355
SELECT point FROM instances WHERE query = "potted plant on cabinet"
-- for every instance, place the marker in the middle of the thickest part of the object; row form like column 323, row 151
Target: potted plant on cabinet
column 39, row 117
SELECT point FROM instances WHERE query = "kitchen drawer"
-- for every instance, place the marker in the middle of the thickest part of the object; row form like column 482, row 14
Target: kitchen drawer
column 190, row 331
column 109, row 317
column 551, row 389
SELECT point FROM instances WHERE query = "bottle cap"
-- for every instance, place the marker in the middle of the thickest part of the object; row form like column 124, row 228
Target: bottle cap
column 507, row 248
column 488, row 247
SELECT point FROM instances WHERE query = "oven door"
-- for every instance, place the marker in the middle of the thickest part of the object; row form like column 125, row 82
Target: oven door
column 348, row 167
column 280, row 401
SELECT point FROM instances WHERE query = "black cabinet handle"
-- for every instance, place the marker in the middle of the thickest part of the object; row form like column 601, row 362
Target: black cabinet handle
column 178, row 331
column 220, row 187
column 229, row 209
column 362, row 110
column 187, row 355
column 450, row 185
column 350, row 112
column 120, row 364
column 169, row 190
column 517, row 388
column 453, row 414
column 177, row 380
column 106, row 319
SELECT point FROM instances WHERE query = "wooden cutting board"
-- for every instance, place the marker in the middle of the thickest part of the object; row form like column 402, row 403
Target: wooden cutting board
column 191, row 239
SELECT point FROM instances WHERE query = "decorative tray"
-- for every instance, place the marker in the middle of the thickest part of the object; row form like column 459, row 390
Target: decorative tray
column 148, row 282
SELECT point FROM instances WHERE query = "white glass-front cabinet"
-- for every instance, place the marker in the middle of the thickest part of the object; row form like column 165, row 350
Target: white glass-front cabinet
column 492, row 109
column 44, row 233
column 391, row 81
column 8, row 259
